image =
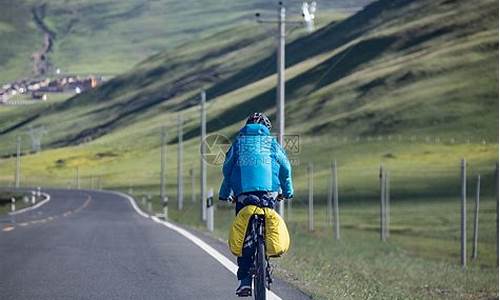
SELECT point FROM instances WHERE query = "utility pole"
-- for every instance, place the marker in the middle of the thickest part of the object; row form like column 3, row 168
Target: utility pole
column 162, row 163
column 203, row 165
column 18, row 162
column 280, row 58
column 280, row 97
column 280, row 91
column 180, row 181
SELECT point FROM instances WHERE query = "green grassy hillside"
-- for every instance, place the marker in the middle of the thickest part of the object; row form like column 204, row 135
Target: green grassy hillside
column 110, row 36
column 412, row 85
column 428, row 72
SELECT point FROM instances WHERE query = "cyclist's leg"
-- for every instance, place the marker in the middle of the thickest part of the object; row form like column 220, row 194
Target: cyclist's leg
column 244, row 264
column 245, row 261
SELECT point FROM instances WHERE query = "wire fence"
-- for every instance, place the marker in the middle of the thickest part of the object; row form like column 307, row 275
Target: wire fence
column 421, row 200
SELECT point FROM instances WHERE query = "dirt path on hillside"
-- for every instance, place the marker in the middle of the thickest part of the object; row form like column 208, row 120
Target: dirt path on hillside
column 41, row 63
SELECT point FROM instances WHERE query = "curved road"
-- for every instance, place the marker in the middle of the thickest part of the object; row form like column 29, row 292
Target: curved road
column 94, row 245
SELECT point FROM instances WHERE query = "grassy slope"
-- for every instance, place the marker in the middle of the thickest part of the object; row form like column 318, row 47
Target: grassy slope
column 415, row 70
column 19, row 38
column 110, row 36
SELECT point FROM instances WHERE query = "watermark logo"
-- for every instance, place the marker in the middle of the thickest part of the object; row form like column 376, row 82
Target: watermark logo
column 216, row 147
column 291, row 143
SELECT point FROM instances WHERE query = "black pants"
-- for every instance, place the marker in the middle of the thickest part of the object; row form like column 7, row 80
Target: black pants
column 245, row 261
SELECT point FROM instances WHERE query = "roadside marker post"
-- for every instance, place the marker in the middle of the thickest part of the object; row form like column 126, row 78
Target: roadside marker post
column 165, row 208
column 210, row 210
column 18, row 163
column 33, row 197
column 13, row 204
column 150, row 207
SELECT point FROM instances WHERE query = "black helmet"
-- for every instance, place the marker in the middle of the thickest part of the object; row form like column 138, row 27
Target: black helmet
column 259, row 118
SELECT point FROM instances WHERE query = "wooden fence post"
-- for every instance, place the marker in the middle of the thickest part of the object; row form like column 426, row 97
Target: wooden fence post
column 496, row 193
column 463, row 215
column 310, row 172
column 336, row 201
column 387, row 204
column 382, row 203
column 329, row 203
column 476, row 217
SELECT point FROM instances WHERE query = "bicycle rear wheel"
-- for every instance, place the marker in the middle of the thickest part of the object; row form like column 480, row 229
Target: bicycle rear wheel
column 260, row 274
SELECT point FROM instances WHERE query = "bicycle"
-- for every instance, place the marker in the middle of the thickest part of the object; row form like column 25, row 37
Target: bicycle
column 261, row 269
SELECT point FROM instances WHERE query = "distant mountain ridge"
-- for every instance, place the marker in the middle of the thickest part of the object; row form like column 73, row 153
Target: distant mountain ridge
column 396, row 67
column 110, row 36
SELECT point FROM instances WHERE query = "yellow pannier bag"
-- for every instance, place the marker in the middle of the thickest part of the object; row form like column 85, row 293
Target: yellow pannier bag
column 277, row 238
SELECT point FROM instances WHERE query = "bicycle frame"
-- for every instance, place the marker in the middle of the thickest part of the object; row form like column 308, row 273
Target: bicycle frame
column 261, row 268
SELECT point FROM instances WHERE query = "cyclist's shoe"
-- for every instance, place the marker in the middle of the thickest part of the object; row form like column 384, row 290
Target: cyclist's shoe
column 245, row 288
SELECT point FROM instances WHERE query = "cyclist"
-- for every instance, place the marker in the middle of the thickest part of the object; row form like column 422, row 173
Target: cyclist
column 256, row 169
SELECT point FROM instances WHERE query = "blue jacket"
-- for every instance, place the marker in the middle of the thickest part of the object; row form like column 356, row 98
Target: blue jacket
column 256, row 162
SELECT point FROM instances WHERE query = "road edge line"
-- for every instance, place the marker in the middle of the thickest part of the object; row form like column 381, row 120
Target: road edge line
column 47, row 199
column 221, row 258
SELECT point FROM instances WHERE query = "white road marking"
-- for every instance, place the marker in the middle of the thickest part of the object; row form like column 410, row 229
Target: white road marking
column 47, row 199
column 197, row 241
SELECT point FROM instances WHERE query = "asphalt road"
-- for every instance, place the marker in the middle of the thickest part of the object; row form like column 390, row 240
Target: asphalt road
column 94, row 245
